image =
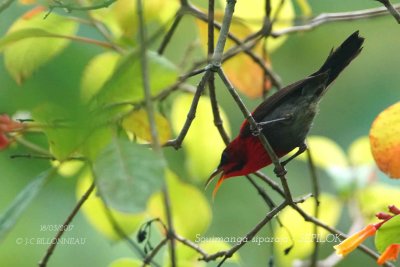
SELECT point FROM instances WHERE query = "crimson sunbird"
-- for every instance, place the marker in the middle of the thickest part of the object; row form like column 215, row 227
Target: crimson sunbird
column 285, row 118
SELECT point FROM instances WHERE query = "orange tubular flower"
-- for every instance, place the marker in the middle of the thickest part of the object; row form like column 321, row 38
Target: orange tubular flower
column 390, row 253
column 352, row 242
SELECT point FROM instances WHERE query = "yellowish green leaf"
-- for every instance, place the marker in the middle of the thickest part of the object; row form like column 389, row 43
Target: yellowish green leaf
column 137, row 123
column 305, row 8
column 97, row 72
column 302, row 231
column 97, row 141
column 28, row 52
column 185, row 199
column 385, row 140
column 252, row 13
column 95, row 212
column 125, row 85
column 203, row 140
column 121, row 17
column 326, row 153
column 377, row 198
column 68, row 168
column 360, row 152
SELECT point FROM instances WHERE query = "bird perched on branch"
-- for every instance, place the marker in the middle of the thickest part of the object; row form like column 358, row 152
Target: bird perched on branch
column 285, row 118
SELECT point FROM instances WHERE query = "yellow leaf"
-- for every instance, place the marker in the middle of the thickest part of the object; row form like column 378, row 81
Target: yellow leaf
column 203, row 138
column 385, row 140
column 360, row 152
column 305, row 8
column 326, row 153
column 95, row 212
column 302, row 231
column 68, row 168
column 185, row 199
column 252, row 13
column 137, row 123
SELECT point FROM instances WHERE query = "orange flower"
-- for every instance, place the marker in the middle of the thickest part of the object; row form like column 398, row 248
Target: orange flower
column 390, row 253
column 352, row 242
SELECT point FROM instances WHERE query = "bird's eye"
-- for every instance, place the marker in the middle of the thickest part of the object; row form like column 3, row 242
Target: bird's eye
column 224, row 158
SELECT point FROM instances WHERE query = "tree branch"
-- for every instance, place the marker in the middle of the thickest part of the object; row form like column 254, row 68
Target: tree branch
column 391, row 9
column 71, row 216
column 249, row 236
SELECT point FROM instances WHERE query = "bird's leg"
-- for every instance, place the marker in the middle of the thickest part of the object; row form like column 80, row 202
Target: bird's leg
column 257, row 130
column 282, row 171
column 302, row 148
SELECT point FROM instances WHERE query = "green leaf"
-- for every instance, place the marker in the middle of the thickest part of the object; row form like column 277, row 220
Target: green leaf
column 127, row 174
column 388, row 234
column 24, row 52
column 126, row 83
column 64, row 131
column 9, row 218
column 96, row 212
column 184, row 199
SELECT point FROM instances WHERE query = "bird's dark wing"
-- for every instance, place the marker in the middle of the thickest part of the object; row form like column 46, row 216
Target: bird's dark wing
column 337, row 60
column 272, row 102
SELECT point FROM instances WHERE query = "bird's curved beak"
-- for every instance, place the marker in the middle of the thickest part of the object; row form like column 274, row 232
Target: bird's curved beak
column 212, row 176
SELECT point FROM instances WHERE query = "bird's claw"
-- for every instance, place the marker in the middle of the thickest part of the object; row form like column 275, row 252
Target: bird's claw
column 256, row 131
column 280, row 170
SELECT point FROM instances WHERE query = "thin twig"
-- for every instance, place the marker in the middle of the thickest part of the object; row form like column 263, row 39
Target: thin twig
column 168, row 36
column 153, row 128
column 326, row 18
column 270, row 182
column 315, row 189
column 248, row 237
column 170, row 230
column 391, row 9
column 177, row 142
column 71, row 216
column 200, row 15
column 211, row 82
column 154, row 252
column 191, row 245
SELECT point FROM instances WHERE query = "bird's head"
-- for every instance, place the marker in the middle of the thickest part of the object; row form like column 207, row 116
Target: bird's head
column 233, row 160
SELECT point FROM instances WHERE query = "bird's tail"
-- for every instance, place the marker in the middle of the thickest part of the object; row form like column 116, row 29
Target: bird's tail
column 341, row 57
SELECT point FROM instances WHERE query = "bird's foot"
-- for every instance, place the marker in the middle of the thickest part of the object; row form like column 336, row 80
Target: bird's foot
column 280, row 170
column 256, row 131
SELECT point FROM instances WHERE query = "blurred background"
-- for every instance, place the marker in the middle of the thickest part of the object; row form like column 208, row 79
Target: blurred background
column 364, row 89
